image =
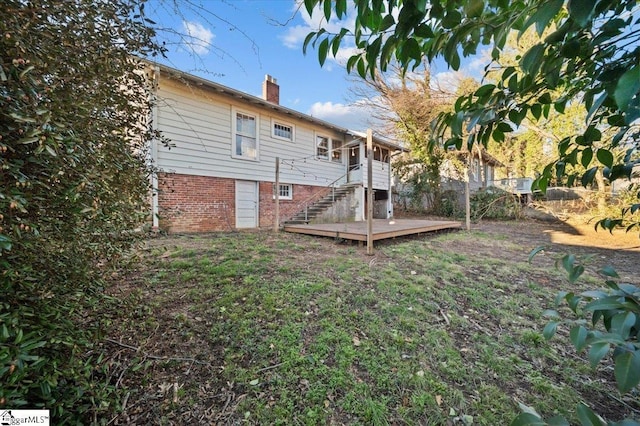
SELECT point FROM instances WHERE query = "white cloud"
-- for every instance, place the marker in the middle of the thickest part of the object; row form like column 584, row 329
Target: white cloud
column 198, row 37
column 295, row 35
column 353, row 117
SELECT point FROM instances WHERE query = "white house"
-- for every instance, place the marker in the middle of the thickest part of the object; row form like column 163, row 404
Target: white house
column 219, row 172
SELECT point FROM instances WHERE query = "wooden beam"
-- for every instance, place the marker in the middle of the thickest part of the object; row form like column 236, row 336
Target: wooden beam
column 369, row 192
column 276, row 213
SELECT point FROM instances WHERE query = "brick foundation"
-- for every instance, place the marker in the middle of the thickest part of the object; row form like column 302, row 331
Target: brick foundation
column 189, row 203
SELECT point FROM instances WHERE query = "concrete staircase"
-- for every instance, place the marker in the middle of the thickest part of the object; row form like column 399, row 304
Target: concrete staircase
column 315, row 209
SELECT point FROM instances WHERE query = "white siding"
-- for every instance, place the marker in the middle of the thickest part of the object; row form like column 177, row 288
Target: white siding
column 380, row 175
column 199, row 124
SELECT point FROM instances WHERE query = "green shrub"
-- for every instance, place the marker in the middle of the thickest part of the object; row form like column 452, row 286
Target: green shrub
column 607, row 321
column 73, row 188
column 494, row 203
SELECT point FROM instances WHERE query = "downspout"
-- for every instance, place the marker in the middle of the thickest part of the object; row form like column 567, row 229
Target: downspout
column 154, row 150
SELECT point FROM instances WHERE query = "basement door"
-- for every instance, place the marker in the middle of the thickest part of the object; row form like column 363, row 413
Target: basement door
column 246, row 204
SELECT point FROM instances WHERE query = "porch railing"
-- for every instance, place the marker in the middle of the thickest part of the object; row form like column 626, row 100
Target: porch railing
column 514, row 185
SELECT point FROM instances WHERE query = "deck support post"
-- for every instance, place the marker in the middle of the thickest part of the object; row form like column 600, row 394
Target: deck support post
column 276, row 210
column 369, row 192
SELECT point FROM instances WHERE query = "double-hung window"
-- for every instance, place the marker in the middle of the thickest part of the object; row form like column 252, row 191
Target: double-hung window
column 322, row 147
column 245, row 135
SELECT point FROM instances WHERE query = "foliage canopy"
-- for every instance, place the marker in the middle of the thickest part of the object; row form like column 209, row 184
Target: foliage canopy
column 592, row 53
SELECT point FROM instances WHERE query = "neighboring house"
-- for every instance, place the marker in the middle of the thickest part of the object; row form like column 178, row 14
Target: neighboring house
column 482, row 175
column 219, row 172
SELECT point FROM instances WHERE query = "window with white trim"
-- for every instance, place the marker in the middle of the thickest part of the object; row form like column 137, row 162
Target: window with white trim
column 284, row 131
column 285, row 191
column 322, row 147
column 336, row 150
column 245, row 135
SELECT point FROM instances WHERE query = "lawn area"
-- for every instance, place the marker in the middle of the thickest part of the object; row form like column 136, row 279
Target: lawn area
column 276, row 328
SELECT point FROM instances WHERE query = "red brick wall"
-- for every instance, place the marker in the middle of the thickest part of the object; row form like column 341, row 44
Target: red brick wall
column 204, row 204
column 196, row 203
column 288, row 208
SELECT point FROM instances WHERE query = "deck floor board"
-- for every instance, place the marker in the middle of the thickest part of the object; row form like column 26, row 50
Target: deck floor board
column 382, row 228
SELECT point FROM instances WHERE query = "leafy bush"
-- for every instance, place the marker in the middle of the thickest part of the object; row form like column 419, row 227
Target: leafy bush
column 607, row 321
column 449, row 205
column 494, row 203
column 73, row 187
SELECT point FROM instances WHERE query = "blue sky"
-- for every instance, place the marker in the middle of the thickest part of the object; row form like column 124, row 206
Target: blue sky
column 237, row 42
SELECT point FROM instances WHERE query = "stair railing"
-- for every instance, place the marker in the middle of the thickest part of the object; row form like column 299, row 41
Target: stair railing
column 303, row 206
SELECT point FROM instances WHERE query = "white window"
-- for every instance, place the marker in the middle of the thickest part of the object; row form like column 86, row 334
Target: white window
column 322, row 147
column 285, row 191
column 328, row 149
column 245, row 135
column 284, row 131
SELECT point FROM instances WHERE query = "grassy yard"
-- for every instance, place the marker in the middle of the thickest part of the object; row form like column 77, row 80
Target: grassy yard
column 268, row 328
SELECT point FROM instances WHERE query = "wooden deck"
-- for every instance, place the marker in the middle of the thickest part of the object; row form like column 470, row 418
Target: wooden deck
column 382, row 228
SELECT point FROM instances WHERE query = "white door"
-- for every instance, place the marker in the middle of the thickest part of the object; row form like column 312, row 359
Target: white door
column 246, row 204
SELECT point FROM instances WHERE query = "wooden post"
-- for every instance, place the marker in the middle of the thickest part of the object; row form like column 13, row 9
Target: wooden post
column 276, row 212
column 467, row 190
column 369, row 192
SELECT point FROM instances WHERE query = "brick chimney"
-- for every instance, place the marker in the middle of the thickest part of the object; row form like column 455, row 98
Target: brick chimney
column 270, row 90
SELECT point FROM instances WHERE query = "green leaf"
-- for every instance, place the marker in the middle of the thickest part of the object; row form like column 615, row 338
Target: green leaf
column 581, row 10
column 421, row 5
column 627, row 370
column 578, row 336
column 451, row 19
column 323, row 49
column 543, row 16
column 545, row 98
column 341, row 8
column 604, row 304
column 587, row 177
column 627, row 87
column 535, row 251
column 536, row 111
column 531, row 60
column 568, row 262
column 528, row 419
column 609, row 271
column 621, row 324
column 558, row 421
column 597, row 352
column 605, row 157
column 587, row 156
column 575, row 273
column 592, row 134
column 310, row 4
column 474, row 8
column 485, row 90
column 327, row 10
column 588, row 417
column 307, row 40
column 550, row 329
column 411, row 49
